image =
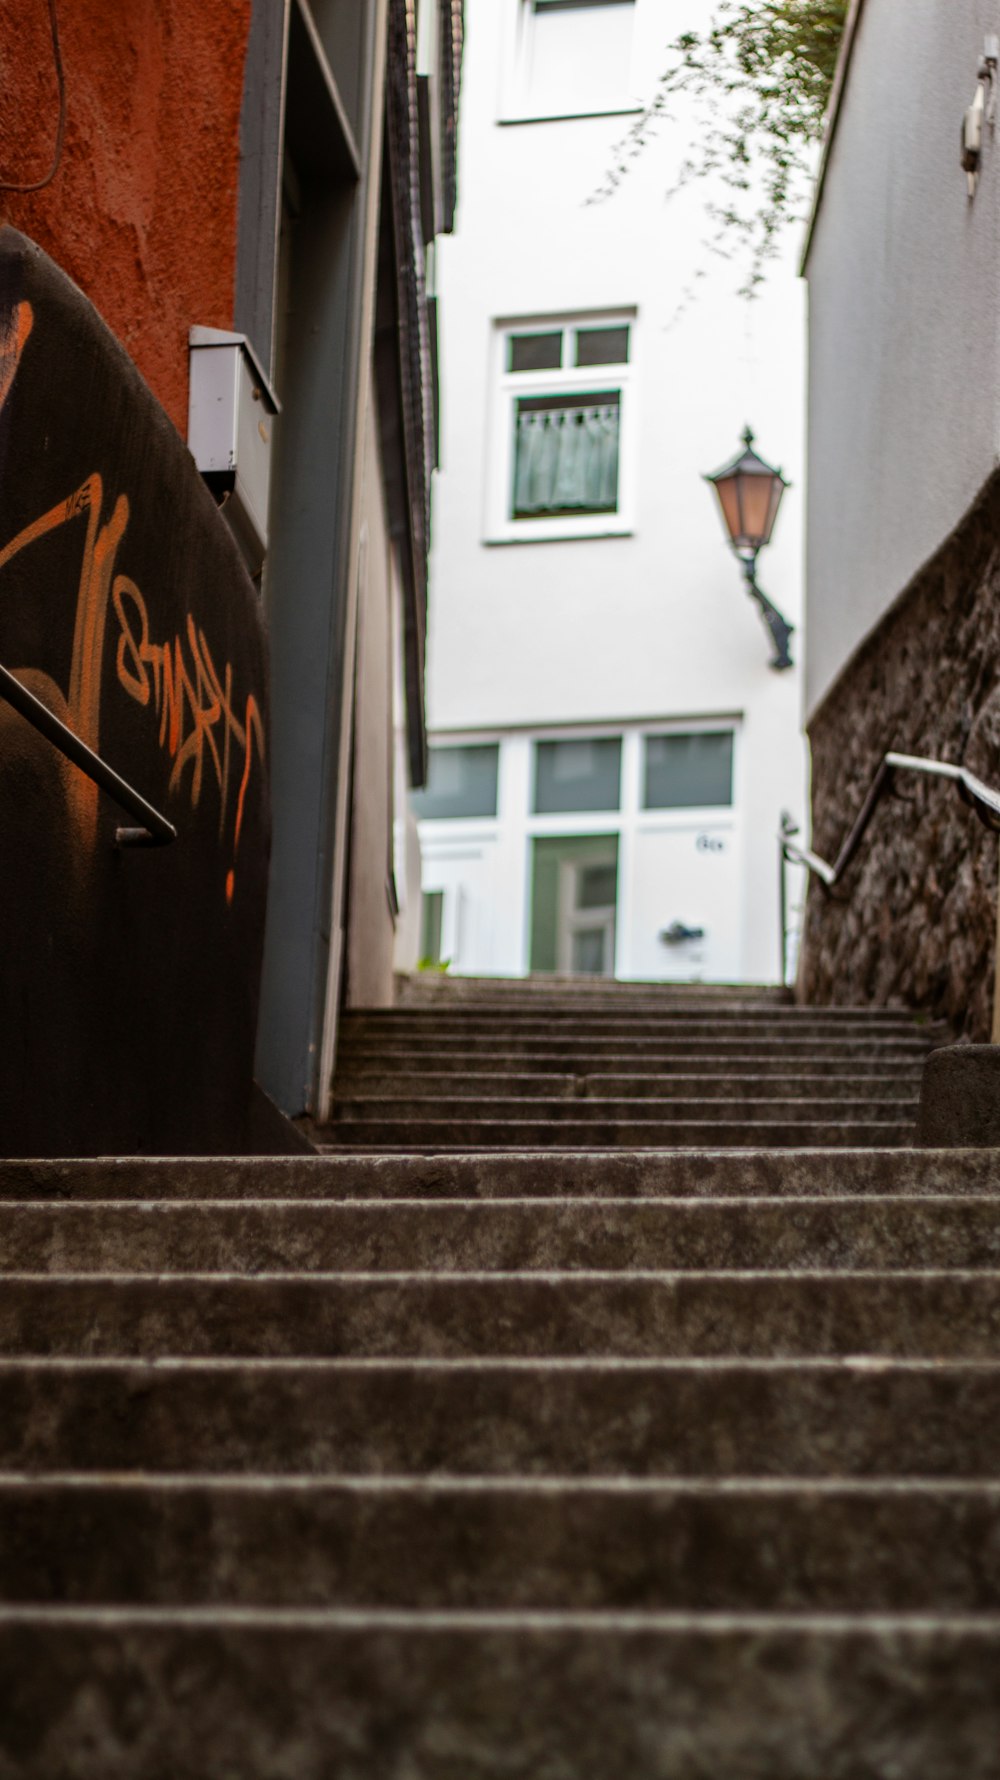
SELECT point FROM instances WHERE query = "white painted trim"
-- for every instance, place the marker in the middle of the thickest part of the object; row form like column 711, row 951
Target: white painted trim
column 622, row 380
column 837, row 92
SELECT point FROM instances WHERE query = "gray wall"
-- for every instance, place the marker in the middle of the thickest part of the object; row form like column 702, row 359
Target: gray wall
column 904, row 293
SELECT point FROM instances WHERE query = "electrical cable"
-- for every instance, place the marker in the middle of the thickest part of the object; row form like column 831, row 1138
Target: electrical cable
column 38, row 185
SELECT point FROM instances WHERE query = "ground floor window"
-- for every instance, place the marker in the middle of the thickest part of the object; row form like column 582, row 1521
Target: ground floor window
column 692, row 771
column 460, row 782
column 577, row 775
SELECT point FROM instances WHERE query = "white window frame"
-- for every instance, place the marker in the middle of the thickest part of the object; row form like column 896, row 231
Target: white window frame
column 499, row 527
column 520, row 104
column 682, row 816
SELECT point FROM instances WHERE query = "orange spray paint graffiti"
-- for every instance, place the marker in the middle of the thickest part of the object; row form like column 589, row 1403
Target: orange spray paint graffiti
column 200, row 721
column 15, row 327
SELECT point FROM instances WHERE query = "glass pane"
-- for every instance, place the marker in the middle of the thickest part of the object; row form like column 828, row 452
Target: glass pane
column 596, row 886
column 602, row 346
column 549, row 858
column 432, row 912
column 577, row 776
column 565, row 455
column 534, row 352
column 460, row 782
column 689, row 771
column 587, row 951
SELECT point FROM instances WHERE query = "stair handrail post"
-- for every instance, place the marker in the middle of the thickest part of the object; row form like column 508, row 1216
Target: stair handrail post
column 995, row 1028
column 787, row 830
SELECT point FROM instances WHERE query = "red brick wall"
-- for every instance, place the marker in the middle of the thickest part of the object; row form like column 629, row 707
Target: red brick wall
column 142, row 212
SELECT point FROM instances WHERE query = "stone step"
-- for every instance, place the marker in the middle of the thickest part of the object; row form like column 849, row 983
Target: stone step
column 819, row 1108
column 655, row 1064
column 430, row 986
column 652, row 1048
column 418, row 1085
column 503, row 1236
column 606, row 1174
column 694, row 1418
column 497, row 1028
column 910, row 1315
column 736, row 1545
column 655, row 1005
column 456, row 983
column 384, row 1134
column 493, row 1696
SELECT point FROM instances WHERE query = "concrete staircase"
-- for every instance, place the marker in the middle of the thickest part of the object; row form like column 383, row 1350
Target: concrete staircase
column 508, row 1466
column 481, row 1065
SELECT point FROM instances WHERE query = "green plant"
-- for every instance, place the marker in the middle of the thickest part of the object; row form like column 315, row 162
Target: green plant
column 761, row 77
column 441, row 965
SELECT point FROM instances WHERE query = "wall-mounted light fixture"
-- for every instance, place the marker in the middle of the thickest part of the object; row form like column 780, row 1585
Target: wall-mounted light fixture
column 750, row 492
column 982, row 110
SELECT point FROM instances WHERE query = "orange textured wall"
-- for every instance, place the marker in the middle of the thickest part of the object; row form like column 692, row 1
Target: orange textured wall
column 142, row 212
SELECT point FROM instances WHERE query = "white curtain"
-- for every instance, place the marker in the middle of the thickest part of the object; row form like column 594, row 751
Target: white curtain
column 566, row 460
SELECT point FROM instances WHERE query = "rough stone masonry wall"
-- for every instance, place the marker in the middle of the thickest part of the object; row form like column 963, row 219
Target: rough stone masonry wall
column 917, row 922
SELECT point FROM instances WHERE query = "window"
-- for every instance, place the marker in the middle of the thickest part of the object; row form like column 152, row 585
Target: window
column 577, row 776
column 574, row 897
column 688, row 771
column 431, row 921
column 563, row 415
column 461, row 781
column 571, row 58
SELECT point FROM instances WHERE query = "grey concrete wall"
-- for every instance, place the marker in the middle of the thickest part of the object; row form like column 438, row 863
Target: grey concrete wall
column 904, row 296
column 370, row 927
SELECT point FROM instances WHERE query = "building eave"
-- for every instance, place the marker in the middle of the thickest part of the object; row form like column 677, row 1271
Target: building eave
column 837, row 92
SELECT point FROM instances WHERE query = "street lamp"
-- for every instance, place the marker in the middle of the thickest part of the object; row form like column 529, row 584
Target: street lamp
column 750, row 492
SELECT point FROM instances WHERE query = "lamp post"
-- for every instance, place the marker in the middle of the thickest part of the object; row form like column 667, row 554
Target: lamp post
column 750, row 492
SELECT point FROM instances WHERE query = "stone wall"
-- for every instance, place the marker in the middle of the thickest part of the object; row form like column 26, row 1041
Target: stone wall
column 914, row 920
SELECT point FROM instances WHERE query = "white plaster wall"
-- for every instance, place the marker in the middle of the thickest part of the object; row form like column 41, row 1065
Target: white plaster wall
column 904, row 297
column 655, row 625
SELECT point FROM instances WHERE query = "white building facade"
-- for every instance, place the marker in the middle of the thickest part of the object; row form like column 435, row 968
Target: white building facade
column 610, row 749
column 903, row 270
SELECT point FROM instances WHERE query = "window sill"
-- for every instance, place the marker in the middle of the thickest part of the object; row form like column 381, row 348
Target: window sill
column 548, row 114
column 561, row 531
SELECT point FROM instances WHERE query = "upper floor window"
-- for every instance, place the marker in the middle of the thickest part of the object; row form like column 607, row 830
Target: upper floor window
column 572, row 58
column 560, row 446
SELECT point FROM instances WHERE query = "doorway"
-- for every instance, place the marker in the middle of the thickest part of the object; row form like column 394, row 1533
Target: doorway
column 574, row 904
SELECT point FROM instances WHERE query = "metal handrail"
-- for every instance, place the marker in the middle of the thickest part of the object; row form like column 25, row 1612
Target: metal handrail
column 157, row 832
column 983, row 799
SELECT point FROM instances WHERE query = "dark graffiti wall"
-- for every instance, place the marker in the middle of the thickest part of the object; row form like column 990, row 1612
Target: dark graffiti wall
column 128, row 978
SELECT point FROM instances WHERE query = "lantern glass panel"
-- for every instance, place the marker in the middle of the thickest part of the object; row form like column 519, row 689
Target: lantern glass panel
column 777, row 490
column 757, row 507
column 728, row 493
